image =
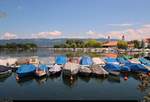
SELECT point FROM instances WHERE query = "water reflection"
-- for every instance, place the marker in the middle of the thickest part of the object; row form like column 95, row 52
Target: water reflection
column 84, row 78
column 25, row 81
column 68, row 81
column 3, row 78
column 113, row 79
column 41, row 80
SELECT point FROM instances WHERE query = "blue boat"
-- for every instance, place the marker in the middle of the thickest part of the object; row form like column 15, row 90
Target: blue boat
column 111, row 60
column 86, row 60
column 144, row 61
column 113, row 68
column 25, row 70
column 121, row 60
column 136, row 67
column 61, row 59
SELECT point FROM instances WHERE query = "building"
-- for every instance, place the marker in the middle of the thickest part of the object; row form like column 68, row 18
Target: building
column 110, row 44
column 147, row 42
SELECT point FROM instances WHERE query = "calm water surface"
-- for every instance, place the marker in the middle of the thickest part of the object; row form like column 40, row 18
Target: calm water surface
column 59, row 87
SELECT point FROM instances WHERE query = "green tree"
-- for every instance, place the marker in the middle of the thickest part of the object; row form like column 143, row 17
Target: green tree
column 142, row 44
column 122, row 44
column 136, row 43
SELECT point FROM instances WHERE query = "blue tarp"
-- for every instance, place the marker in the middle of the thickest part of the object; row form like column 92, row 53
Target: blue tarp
column 110, row 60
column 144, row 61
column 121, row 60
column 136, row 67
column 86, row 60
column 61, row 59
column 43, row 67
column 125, row 68
column 26, row 68
column 112, row 67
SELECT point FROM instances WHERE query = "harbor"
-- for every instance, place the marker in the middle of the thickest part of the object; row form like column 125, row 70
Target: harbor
column 90, row 81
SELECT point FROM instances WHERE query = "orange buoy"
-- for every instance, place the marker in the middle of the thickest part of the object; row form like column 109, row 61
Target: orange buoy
column 17, row 78
column 125, row 78
column 71, row 78
column 149, row 74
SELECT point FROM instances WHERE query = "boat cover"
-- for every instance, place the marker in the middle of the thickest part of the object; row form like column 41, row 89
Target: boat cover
column 3, row 68
column 55, row 68
column 61, row 59
column 111, row 60
column 43, row 67
column 97, row 60
column 71, row 66
column 137, row 67
column 86, row 60
column 112, row 67
column 26, row 68
column 144, row 61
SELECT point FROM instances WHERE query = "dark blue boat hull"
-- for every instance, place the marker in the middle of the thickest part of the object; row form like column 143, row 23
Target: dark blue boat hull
column 21, row 75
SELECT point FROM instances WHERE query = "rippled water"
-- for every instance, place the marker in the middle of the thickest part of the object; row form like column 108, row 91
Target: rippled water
column 60, row 87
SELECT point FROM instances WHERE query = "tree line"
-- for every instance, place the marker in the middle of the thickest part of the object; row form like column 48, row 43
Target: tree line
column 25, row 46
column 121, row 44
column 79, row 44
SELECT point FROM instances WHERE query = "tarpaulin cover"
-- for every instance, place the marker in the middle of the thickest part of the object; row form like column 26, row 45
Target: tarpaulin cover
column 26, row 68
column 61, row 59
column 86, row 60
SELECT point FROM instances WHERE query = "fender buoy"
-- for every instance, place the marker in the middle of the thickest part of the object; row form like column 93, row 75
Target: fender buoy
column 148, row 74
column 125, row 78
column 17, row 78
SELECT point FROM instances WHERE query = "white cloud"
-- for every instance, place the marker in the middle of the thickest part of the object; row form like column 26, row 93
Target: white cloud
column 9, row 35
column 48, row 34
column 146, row 25
column 131, row 34
column 92, row 34
column 121, row 25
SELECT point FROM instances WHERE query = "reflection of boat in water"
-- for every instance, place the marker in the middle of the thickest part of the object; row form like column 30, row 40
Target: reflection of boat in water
column 84, row 78
column 69, row 82
column 4, row 77
column 41, row 80
column 114, row 79
column 25, row 80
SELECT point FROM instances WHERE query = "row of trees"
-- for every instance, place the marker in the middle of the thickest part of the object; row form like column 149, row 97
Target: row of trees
column 79, row 44
column 18, row 46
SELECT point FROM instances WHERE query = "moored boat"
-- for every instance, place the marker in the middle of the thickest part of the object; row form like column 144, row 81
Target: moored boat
column 61, row 60
column 4, row 70
column 85, row 71
column 71, row 69
column 113, row 69
column 25, row 70
column 55, row 69
column 41, row 70
column 86, row 61
column 98, row 61
column 98, row 70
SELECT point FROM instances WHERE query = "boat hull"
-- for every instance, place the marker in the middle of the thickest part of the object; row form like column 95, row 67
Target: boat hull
column 21, row 75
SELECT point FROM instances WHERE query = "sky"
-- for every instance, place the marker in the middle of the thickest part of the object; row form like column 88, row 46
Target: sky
column 74, row 19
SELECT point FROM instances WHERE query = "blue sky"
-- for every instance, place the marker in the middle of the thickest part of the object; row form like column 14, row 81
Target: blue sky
column 73, row 18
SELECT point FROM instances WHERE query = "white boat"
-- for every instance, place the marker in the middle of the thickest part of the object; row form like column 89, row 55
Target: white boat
column 71, row 68
column 97, row 60
column 54, row 69
column 98, row 70
column 85, row 71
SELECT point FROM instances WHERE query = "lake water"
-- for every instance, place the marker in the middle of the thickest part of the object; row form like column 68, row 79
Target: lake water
column 61, row 88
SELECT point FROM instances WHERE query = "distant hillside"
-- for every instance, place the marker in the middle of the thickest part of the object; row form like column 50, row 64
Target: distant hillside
column 42, row 42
